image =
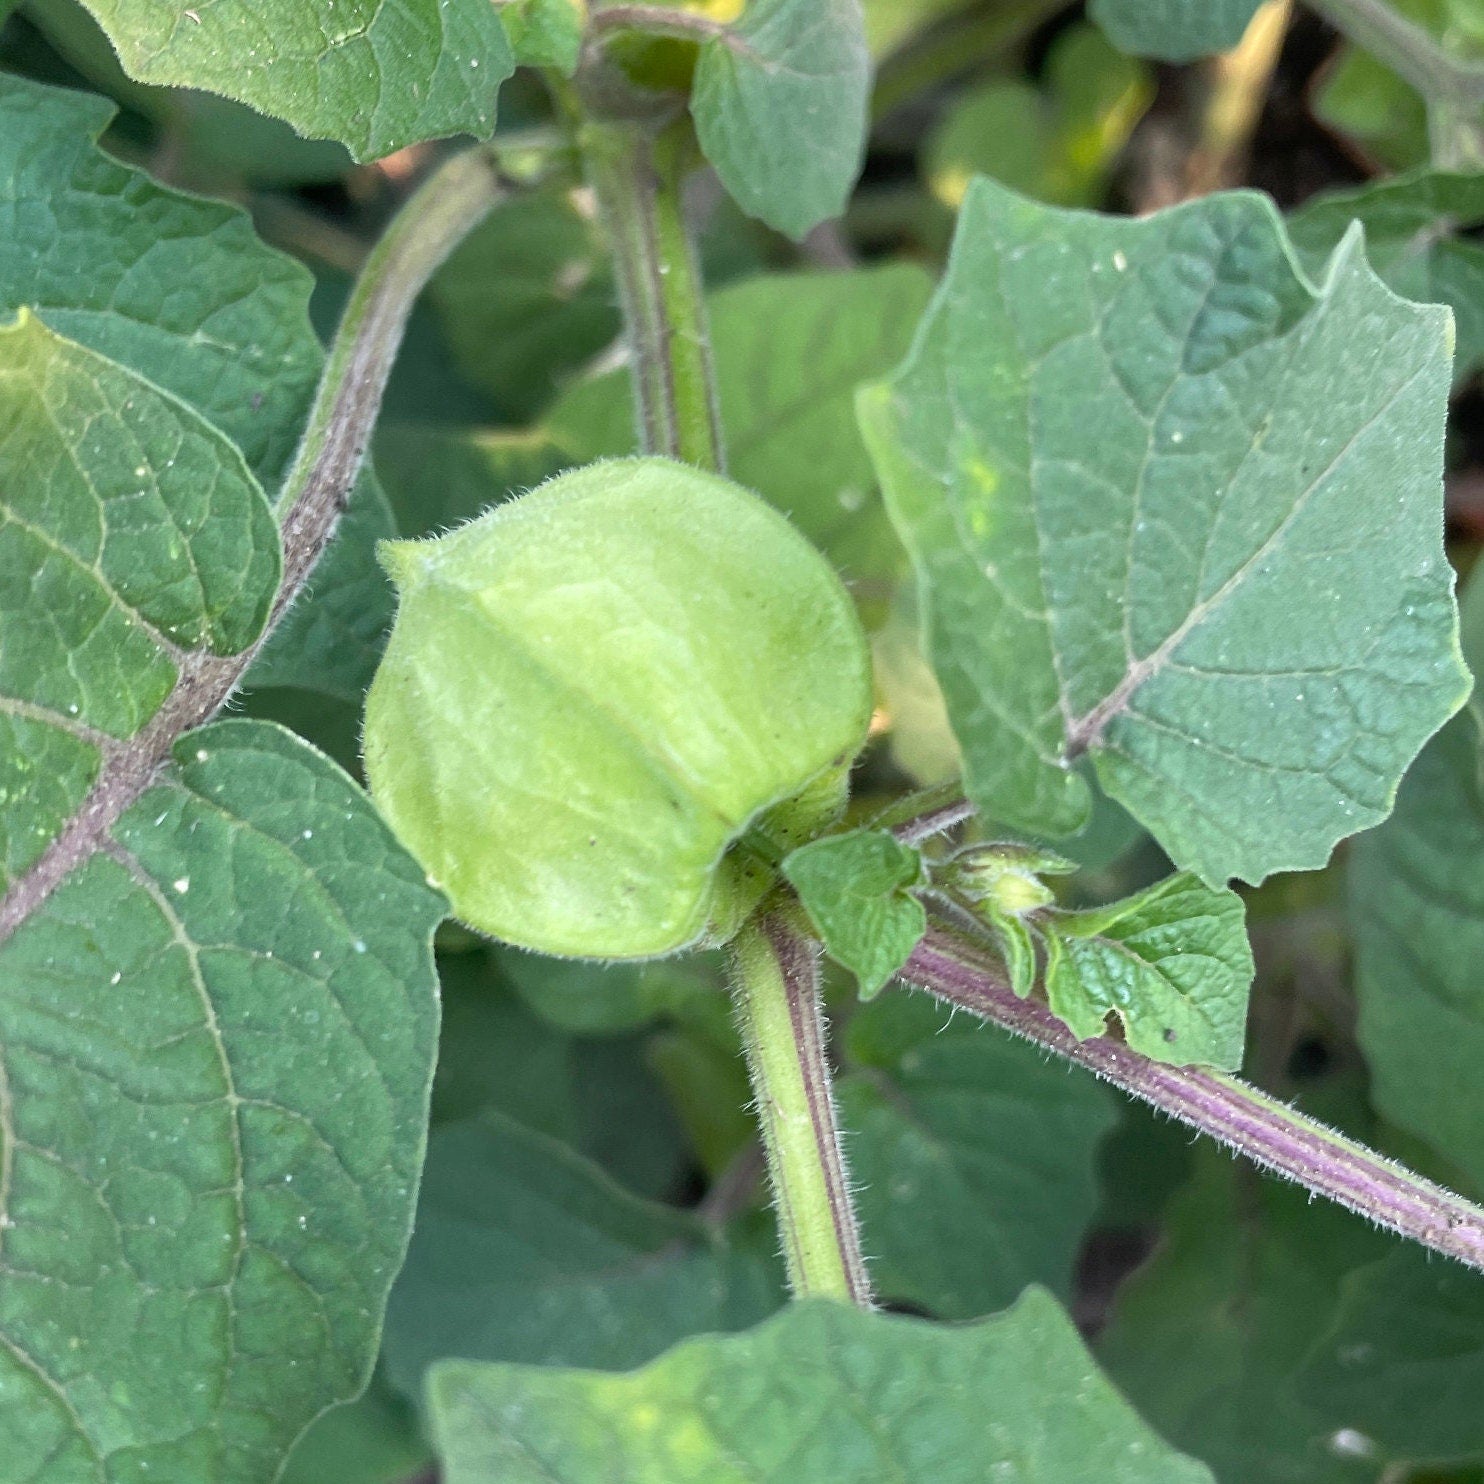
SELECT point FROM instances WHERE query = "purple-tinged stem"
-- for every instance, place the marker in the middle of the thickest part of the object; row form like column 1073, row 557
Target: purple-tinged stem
column 1262, row 1128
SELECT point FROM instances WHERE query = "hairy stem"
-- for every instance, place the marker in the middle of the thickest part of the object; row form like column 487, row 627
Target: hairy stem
column 1453, row 89
column 775, row 971
column 1265, row 1130
column 636, row 175
column 1405, row 47
column 448, row 204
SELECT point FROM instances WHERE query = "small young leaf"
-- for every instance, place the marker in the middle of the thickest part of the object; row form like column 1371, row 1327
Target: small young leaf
column 374, row 76
column 1172, row 963
column 1414, row 228
column 1173, row 30
column 1161, row 513
column 780, row 108
column 857, row 890
column 593, row 690
column 523, row 1251
column 544, row 33
column 822, row 1391
column 973, row 1158
column 185, row 1195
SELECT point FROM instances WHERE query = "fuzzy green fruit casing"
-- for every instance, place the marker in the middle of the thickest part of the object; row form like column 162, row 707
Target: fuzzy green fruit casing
column 593, row 690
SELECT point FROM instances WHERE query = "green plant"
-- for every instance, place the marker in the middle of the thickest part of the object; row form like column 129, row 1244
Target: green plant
column 1161, row 495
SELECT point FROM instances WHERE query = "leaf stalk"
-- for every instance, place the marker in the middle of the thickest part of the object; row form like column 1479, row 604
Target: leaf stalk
column 1268, row 1132
column 437, row 216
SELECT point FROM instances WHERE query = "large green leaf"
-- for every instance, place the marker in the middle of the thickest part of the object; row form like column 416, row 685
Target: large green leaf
column 1413, row 226
column 972, row 1158
column 213, row 141
column 1208, row 1337
column 821, row 1392
column 780, row 108
column 527, row 299
column 130, row 532
column 523, row 1251
column 175, row 287
column 1163, row 514
column 374, row 76
column 1417, row 914
column 790, row 349
column 218, row 1038
column 1172, row 964
column 1173, row 30
column 1402, row 1361
column 181, row 292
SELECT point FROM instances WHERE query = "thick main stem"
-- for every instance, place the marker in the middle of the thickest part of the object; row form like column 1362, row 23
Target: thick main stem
column 636, row 175
column 775, row 971
column 1266, row 1131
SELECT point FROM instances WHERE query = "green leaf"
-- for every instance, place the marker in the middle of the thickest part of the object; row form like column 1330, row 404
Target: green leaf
column 130, row 532
column 371, row 1441
column 373, row 76
column 527, row 299
column 857, row 890
column 572, row 754
column 523, row 1251
column 780, row 108
column 177, row 288
column 1172, row 963
column 789, row 350
column 1173, row 30
column 1161, row 513
column 594, row 1094
column 1417, row 916
column 1402, row 1361
column 1412, row 239
column 199, row 1225
column 1058, row 142
column 820, row 1392
column 544, row 33
column 1207, row 1338
column 441, row 477
column 972, row 1158
column 212, row 140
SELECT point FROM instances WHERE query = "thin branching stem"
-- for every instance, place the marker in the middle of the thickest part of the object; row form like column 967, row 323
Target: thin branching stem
column 1262, row 1128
